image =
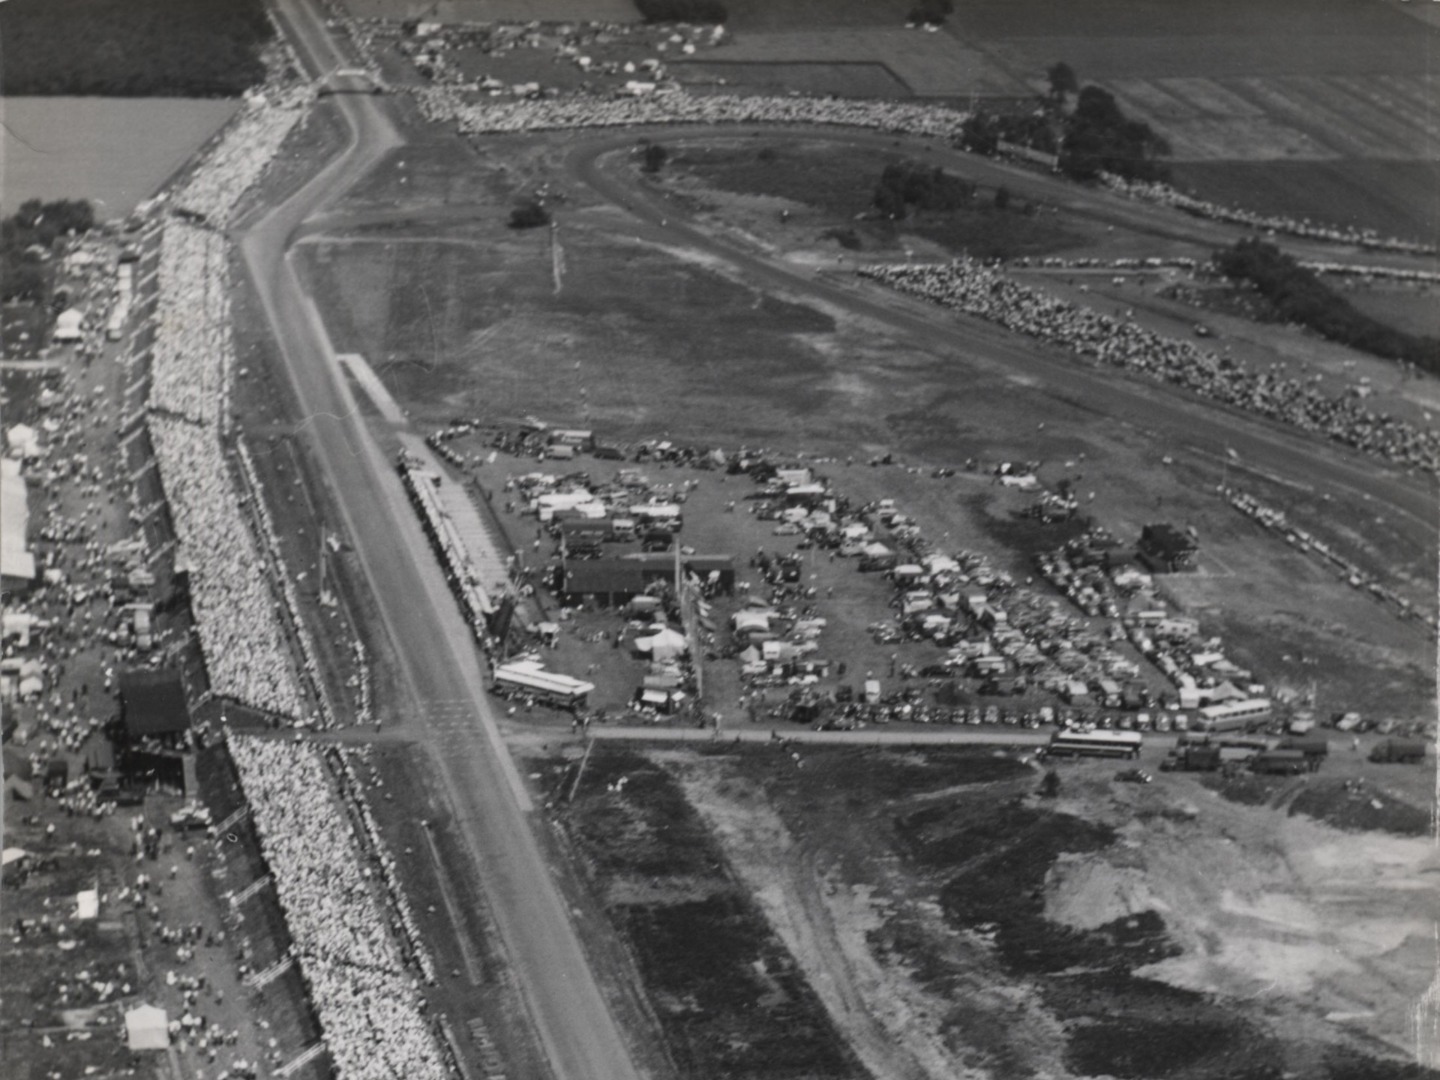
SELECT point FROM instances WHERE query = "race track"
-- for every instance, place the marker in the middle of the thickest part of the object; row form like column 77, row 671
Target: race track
column 437, row 653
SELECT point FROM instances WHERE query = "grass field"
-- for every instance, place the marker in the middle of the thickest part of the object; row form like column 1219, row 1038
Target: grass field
column 1400, row 198
column 858, row 79
column 930, row 65
column 112, row 151
column 1109, row 39
column 840, row 184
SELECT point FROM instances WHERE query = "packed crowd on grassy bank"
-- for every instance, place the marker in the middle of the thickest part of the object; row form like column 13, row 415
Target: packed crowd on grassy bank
column 978, row 289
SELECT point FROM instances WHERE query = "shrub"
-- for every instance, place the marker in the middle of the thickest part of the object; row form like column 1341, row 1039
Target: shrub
column 912, row 184
column 529, row 215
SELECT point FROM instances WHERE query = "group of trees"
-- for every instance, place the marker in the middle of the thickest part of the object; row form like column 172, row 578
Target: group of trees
column 1298, row 295
column 910, row 184
column 1095, row 136
column 133, row 48
column 1099, row 137
column 27, row 238
column 686, row 11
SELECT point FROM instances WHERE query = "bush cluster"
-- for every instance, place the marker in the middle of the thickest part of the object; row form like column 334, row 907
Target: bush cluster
column 910, row 184
column 133, row 48
column 1298, row 295
column 529, row 215
column 686, row 11
column 28, row 232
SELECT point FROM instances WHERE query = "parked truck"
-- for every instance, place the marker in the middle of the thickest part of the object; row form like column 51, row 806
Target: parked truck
column 1399, row 751
column 1192, row 757
column 1315, row 748
column 1280, row 763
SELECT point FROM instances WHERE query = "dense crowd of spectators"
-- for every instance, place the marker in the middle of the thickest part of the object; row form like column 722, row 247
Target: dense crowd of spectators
column 245, row 148
column 979, row 289
column 193, row 352
column 1165, row 195
column 368, row 1002
column 678, row 107
column 234, row 610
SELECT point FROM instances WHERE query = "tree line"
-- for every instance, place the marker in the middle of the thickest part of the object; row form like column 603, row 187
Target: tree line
column 1298, row 295
column 1093, row 137
column 27, row 240
column 133, row 48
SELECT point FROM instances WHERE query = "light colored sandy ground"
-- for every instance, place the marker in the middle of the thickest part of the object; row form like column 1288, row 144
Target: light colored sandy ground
column 1329, row 933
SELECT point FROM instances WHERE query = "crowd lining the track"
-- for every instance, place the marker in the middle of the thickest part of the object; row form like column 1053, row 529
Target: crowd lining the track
column 976, row 288
column 1165, row 195
column 368, row 1002
column 366, row 998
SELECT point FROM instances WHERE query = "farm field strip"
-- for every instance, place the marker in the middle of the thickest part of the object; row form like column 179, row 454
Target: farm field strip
column 1421, row 123
column 1282, row 100
column 1212, row 97
column 1384, row 119
column 931, row 65
column 1298, row 118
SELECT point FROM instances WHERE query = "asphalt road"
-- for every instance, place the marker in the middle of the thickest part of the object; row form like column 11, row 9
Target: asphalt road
column 437, row 654
column 1172, row 418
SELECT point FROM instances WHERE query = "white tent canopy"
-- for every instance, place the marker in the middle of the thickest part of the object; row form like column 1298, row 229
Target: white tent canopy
column 664, row 645
column 147, row 1028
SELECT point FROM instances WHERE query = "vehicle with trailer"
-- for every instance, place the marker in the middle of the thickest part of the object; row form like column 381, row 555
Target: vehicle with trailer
column 1315, row 748
column 1192, row 757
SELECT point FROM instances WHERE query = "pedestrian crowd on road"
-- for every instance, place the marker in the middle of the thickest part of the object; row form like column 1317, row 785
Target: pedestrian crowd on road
column 368, row 1001
column 981, row 289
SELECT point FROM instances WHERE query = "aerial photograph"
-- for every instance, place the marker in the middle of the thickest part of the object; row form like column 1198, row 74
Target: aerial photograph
column 719, row 539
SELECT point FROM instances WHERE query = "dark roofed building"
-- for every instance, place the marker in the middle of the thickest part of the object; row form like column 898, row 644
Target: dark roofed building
column 153, row 703
column 617, row 580
column 1166, row 549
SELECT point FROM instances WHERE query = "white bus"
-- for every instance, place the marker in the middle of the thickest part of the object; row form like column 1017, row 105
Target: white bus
column 1075, row 743
column 549, row 687
column 1233, row 715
